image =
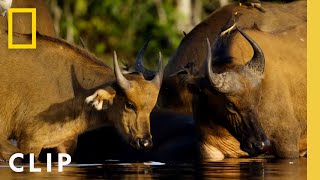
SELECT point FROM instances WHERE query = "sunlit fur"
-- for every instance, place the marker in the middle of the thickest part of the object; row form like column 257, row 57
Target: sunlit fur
column 22, row 21
column 218, row 143
column 281, row 33
column 241, row 119
column 282, row 108
column 43, row 97
column 134, row 124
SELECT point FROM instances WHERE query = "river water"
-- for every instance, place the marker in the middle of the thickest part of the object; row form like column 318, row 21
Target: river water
column 227, row 169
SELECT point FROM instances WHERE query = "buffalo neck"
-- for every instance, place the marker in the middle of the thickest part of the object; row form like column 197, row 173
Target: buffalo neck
column 78, row 74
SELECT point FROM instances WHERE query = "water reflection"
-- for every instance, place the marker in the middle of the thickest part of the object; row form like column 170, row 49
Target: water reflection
column 228, row 169
column 256, row 169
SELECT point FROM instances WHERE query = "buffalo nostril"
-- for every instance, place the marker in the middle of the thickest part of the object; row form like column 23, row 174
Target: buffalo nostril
column 263, row 146
column 145, row 143
column 259, row 145
column 266, row 146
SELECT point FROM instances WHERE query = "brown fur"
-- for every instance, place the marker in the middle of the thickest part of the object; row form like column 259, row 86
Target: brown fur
column 284, row 89
column 281, row 33
column 43, row 97
column 22, row 22
column 277, row 18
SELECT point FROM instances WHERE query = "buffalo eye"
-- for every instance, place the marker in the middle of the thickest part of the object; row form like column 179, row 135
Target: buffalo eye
column 231, row 107
column 129, row 105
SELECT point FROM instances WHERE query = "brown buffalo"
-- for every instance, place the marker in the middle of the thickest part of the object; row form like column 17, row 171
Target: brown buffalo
column 224, row 97
column 45, row 90
column 22, row 22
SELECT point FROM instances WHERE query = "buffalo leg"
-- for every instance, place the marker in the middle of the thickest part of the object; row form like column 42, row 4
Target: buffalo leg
column 68, row 146
column 210, row 153
column 6, row 149
column 218, row 143
column 29, row 146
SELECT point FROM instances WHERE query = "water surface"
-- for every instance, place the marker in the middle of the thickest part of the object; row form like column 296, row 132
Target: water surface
column 227, row 169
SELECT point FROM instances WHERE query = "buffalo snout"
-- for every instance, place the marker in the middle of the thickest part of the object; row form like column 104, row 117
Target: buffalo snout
column 256, row 147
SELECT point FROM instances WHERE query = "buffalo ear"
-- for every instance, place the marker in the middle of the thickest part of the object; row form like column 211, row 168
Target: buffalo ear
column 102, row 98
column 188, row 75
column 187, row 79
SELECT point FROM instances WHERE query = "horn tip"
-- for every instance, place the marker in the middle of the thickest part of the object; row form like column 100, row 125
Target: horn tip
column 208, row 41
column 115, row 59
column 160, row 61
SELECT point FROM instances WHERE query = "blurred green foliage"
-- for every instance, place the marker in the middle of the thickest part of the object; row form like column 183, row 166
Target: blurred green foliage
column 124, row 25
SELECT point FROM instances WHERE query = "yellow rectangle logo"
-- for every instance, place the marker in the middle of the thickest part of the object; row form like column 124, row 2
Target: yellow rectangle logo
column 33, row 12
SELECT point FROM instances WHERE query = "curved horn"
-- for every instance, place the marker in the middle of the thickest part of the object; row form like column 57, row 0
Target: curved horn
column 121, row 80
column 214, row 78
column 209, row 62
column 257, row 61
column 138, row 63
column 157, row 80
column 219, row 81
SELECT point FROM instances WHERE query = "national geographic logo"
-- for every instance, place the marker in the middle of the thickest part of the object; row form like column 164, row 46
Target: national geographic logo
column 33, row 12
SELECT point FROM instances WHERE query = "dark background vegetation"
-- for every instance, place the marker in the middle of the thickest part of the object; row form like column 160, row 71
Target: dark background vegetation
column 124, row 25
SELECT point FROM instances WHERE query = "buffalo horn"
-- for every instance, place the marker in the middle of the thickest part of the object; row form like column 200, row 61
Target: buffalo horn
column 219, row 81
column 121, row 80
column 257, row 61
column 138, row 63
column 157, row 80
